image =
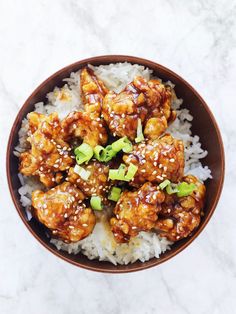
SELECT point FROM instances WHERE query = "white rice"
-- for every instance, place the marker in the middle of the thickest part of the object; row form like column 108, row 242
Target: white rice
column 101, row 244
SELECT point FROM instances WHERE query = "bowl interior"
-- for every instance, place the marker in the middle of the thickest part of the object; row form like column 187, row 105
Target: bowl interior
column 203, row 125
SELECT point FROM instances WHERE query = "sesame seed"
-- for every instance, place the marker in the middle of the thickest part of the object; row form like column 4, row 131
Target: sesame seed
column 71, row 227
column 172, row 160
column 65, row 215
column 84, row 225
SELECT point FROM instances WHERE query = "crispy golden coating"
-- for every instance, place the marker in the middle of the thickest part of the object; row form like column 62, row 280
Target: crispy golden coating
column 136, row 211
column 179, row 216
column 149, row 101
column 61, row 209
column 157, row 160
column 49, row 154
column 82, row 125
column 92, row 91
column 97, row 183
column 121, row 111
column 149, row 208
column 158, row 99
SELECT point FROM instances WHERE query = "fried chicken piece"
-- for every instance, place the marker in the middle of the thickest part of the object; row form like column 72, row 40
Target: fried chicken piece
column 93, row 91
column 179, row 216
column 157, row 160
column 136, row 211
column 97, row 183
column 61, row 209
column 122, row 111
column 49, row 153
column 158, row 99
column 81, row 125
column 149, row 101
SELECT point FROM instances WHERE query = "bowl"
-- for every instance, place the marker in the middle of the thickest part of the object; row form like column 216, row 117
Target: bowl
column 203, row 124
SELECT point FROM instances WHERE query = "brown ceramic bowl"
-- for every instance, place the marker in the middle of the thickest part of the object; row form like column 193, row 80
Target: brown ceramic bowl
column 204, row 125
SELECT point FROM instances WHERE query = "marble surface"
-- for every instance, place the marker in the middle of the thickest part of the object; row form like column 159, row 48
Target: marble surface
column 197, row 39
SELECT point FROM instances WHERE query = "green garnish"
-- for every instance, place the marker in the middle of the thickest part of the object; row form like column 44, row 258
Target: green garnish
column 122, row 144
column 117, row 174
column 185, row 189
column 98, row 151
column 84, row 174
column 164, row 184
column 182, row 189
column 114, row 194
column 108, row 154
column 131, row 172
column 140, row 136
column 105, row 154
column 83, row 153
column 171, row 188
column 96, row 202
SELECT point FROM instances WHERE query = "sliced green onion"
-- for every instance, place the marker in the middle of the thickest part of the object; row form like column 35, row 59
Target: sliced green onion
column 83, row 153
column 117, row 174
column 98, row 151
column 140, row 136
column 114, row 194
column 108, row 153
column 182, row 189
column 96, row 202
column 131, row 172
column 84, row 174
column 171, row 188
column 164, row 184
column 185, row 189
column 122, row 144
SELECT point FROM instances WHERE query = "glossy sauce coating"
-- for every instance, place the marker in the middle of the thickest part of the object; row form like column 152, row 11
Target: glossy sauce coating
column 157, row 160
column 136, row 211
column 96, row 184
column 85, row 127
column 179, row 216
column 62, row 210
column 93, row 91
column 150, row 209
column 149, row 101
column 49, row 154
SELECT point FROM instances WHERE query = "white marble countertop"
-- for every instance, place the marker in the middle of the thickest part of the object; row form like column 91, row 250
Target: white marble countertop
column 197, row 39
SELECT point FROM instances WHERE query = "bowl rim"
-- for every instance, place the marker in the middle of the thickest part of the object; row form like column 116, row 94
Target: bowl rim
column 114, row 59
